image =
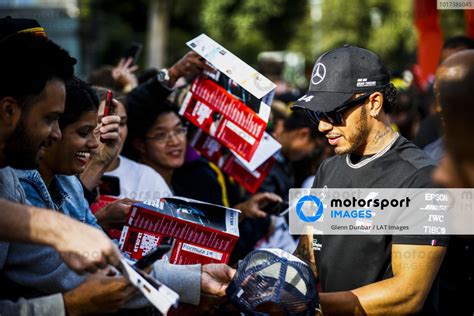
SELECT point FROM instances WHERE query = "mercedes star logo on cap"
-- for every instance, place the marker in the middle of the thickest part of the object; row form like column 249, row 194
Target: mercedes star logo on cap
column 318, row 74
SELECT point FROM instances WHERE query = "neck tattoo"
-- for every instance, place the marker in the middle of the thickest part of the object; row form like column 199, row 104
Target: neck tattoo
column 380, row 135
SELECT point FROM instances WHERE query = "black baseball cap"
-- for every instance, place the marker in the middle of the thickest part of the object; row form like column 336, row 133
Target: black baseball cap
column 339, row 74
column 11, row 26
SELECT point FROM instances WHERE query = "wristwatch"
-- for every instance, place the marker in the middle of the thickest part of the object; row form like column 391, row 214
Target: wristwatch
column 163, row 77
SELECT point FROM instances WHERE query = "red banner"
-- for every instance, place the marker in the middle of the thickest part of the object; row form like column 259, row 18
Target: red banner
column 469, row 18
column 430, row 38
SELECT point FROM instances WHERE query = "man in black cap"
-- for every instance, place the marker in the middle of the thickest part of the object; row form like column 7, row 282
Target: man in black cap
column 348, row 98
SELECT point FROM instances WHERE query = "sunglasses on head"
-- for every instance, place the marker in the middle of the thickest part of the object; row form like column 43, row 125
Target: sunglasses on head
column 336, row 117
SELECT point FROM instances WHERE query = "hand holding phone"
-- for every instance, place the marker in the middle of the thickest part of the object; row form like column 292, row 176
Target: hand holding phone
column 276, row 208
column 109, row 108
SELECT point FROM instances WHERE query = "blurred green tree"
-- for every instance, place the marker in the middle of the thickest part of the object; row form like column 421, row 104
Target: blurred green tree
column 394, row 38
column 343, row 22
column 452, row 23
column 185, row 24
column 249, row 27
column 384, row 26
column 245, row 27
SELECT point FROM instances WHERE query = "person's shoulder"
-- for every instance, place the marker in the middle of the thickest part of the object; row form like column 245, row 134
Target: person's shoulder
column 326, row 170
column 412, row 155
column 139, row 168
column 31, row 181
column 10, row 187
column 128, row 167
column 197, row 169
column 146, row 172
column 213, row 171
column 125, row 163
column 332, row 161
column 415, row 163
column 420, row 178
column 26, row 175
column 8, row 174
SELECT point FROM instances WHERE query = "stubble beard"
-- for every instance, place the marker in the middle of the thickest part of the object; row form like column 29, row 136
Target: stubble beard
column 359, row 137
column 21, row 150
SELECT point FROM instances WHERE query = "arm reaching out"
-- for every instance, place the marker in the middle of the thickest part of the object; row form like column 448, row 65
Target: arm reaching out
column 252, row 207
column 99, row 294
column 215, row 278
column 414, row 270
column 82, row 247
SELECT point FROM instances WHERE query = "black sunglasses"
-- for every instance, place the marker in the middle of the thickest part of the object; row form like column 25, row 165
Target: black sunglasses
column 336, row 117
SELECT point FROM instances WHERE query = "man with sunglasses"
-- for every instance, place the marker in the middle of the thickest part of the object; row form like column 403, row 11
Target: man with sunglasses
column 348, row 98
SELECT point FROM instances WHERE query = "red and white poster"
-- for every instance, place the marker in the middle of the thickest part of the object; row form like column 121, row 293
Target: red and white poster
column 232, row 103
column 248, row 174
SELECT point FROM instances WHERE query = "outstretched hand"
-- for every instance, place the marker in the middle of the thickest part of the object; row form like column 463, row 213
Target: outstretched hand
column 215, row 278
column 253, row 207
column 123, row 73
column 115, row 214
column 190, row 65
column 99, row 294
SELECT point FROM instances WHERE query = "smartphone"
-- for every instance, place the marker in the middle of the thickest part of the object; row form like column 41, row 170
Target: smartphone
column 133, row 51
column 275, row 208
column 108, row 108
column 154, row 255
column 109, row 185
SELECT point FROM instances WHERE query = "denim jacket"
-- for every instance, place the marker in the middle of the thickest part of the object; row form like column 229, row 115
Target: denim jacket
column 37, row 269
column 67, row 195
column 10, row 189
